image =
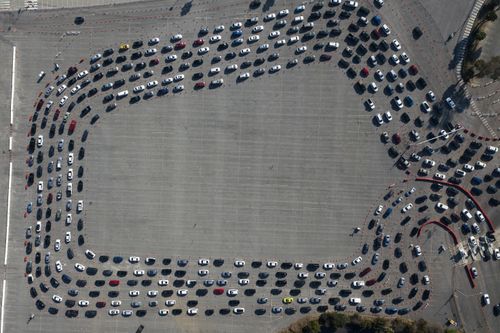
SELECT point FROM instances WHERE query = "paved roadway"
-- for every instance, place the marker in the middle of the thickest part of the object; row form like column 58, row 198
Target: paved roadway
column 197, row 149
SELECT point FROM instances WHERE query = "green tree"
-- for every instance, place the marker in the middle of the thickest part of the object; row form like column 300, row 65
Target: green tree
column 490, row 16
column 480, row 35
column 312, row 327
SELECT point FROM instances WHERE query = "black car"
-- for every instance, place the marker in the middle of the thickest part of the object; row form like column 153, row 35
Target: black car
column 79, row 20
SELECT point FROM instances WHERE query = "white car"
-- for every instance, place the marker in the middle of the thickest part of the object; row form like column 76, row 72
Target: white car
column 373, row 87
column 116, row 303
column 239, row 263
column 75, row 89
column 134, row 260
column 395, row 44
column 417, row 250
column 275, row 68
column 263, row 47
column 439, row 176
column 405, row 58
column 176, row 37
column 301, row 49
column 236, row 25
column 182, row 292
column 215, row 38
column 163, row 283
column 466, row 214
column 113, row 312
column 79, row 206
column 152, row 84
column 138, row 89
column 163, row 312
column 480, row 165
column 303, row 275
column 57, row 298
column 63, row 100
column 67, row 237
column 243, row 282
column 170, row 302
column 203, row 50
column 450, row 103
column 425, row 107
column 203, row 272
column 79, row 267
column 153, row 41
column 379, row 75
column 443, row 134
column 407, row 208
column 192, row 311
column 244, row 76
column 61, row 89
column 270, row 17
column 59, row 266
column 496, row 254
column 283, row 12
column 214, row 70
column 253, row 38
column 152, row 293
column 395, row 59
column 232, row 292
column 239, row 310
column 388, row 116
column 70, row 174
column 472, row 241
column 370, row 104
column 57, row 245
column 272, row 264
column 293, row 39
column 328, row 265
column 429, row 163
column 178, row 88
column 479, row 216
column 298, row 265
column 441, row 206
column 244, row 52
column 379, row 210
column 134, row 293
column 82, row 74
column 203, row 262
column 427, row 280
column 232, row 67
column 219, row 28
column 171, row 57
column 486, row 299
column 274, row 34
column 69, row 219
column 178, row 77
column 257, row 29
column 468, row 168
column 138, row 272
column 431, row 95
column 83, row 303
column 356, row 261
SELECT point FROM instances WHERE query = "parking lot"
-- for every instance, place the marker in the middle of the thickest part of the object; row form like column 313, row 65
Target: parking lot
column 217, row 174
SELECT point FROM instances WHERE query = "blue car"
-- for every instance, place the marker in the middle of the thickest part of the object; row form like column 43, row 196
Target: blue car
column 387, row 213
column 409, row 101
column 236, row 34
column 465, row 228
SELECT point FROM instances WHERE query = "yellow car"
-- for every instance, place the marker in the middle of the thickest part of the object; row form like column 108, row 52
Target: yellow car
column 287, row 300
column 124, row 47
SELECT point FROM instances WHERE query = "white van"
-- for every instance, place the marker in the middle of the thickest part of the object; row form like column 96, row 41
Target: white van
column 122, row 94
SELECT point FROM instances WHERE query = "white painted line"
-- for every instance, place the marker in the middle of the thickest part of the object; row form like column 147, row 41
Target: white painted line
column 8, row 216
column 3, row 305
column 13, row 86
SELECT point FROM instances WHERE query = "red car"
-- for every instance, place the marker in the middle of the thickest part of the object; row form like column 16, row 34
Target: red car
column 376, row 34
column 396, row 139
column 39, row 105
column 114, row 283
column 56, row 114
column 180, row 45
column 100, row 304
column 218, row 291
column 72, row 127
column 154, row 62
column 198, row 42
column 413, row 70
column 199, row 84
column 365, row 71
